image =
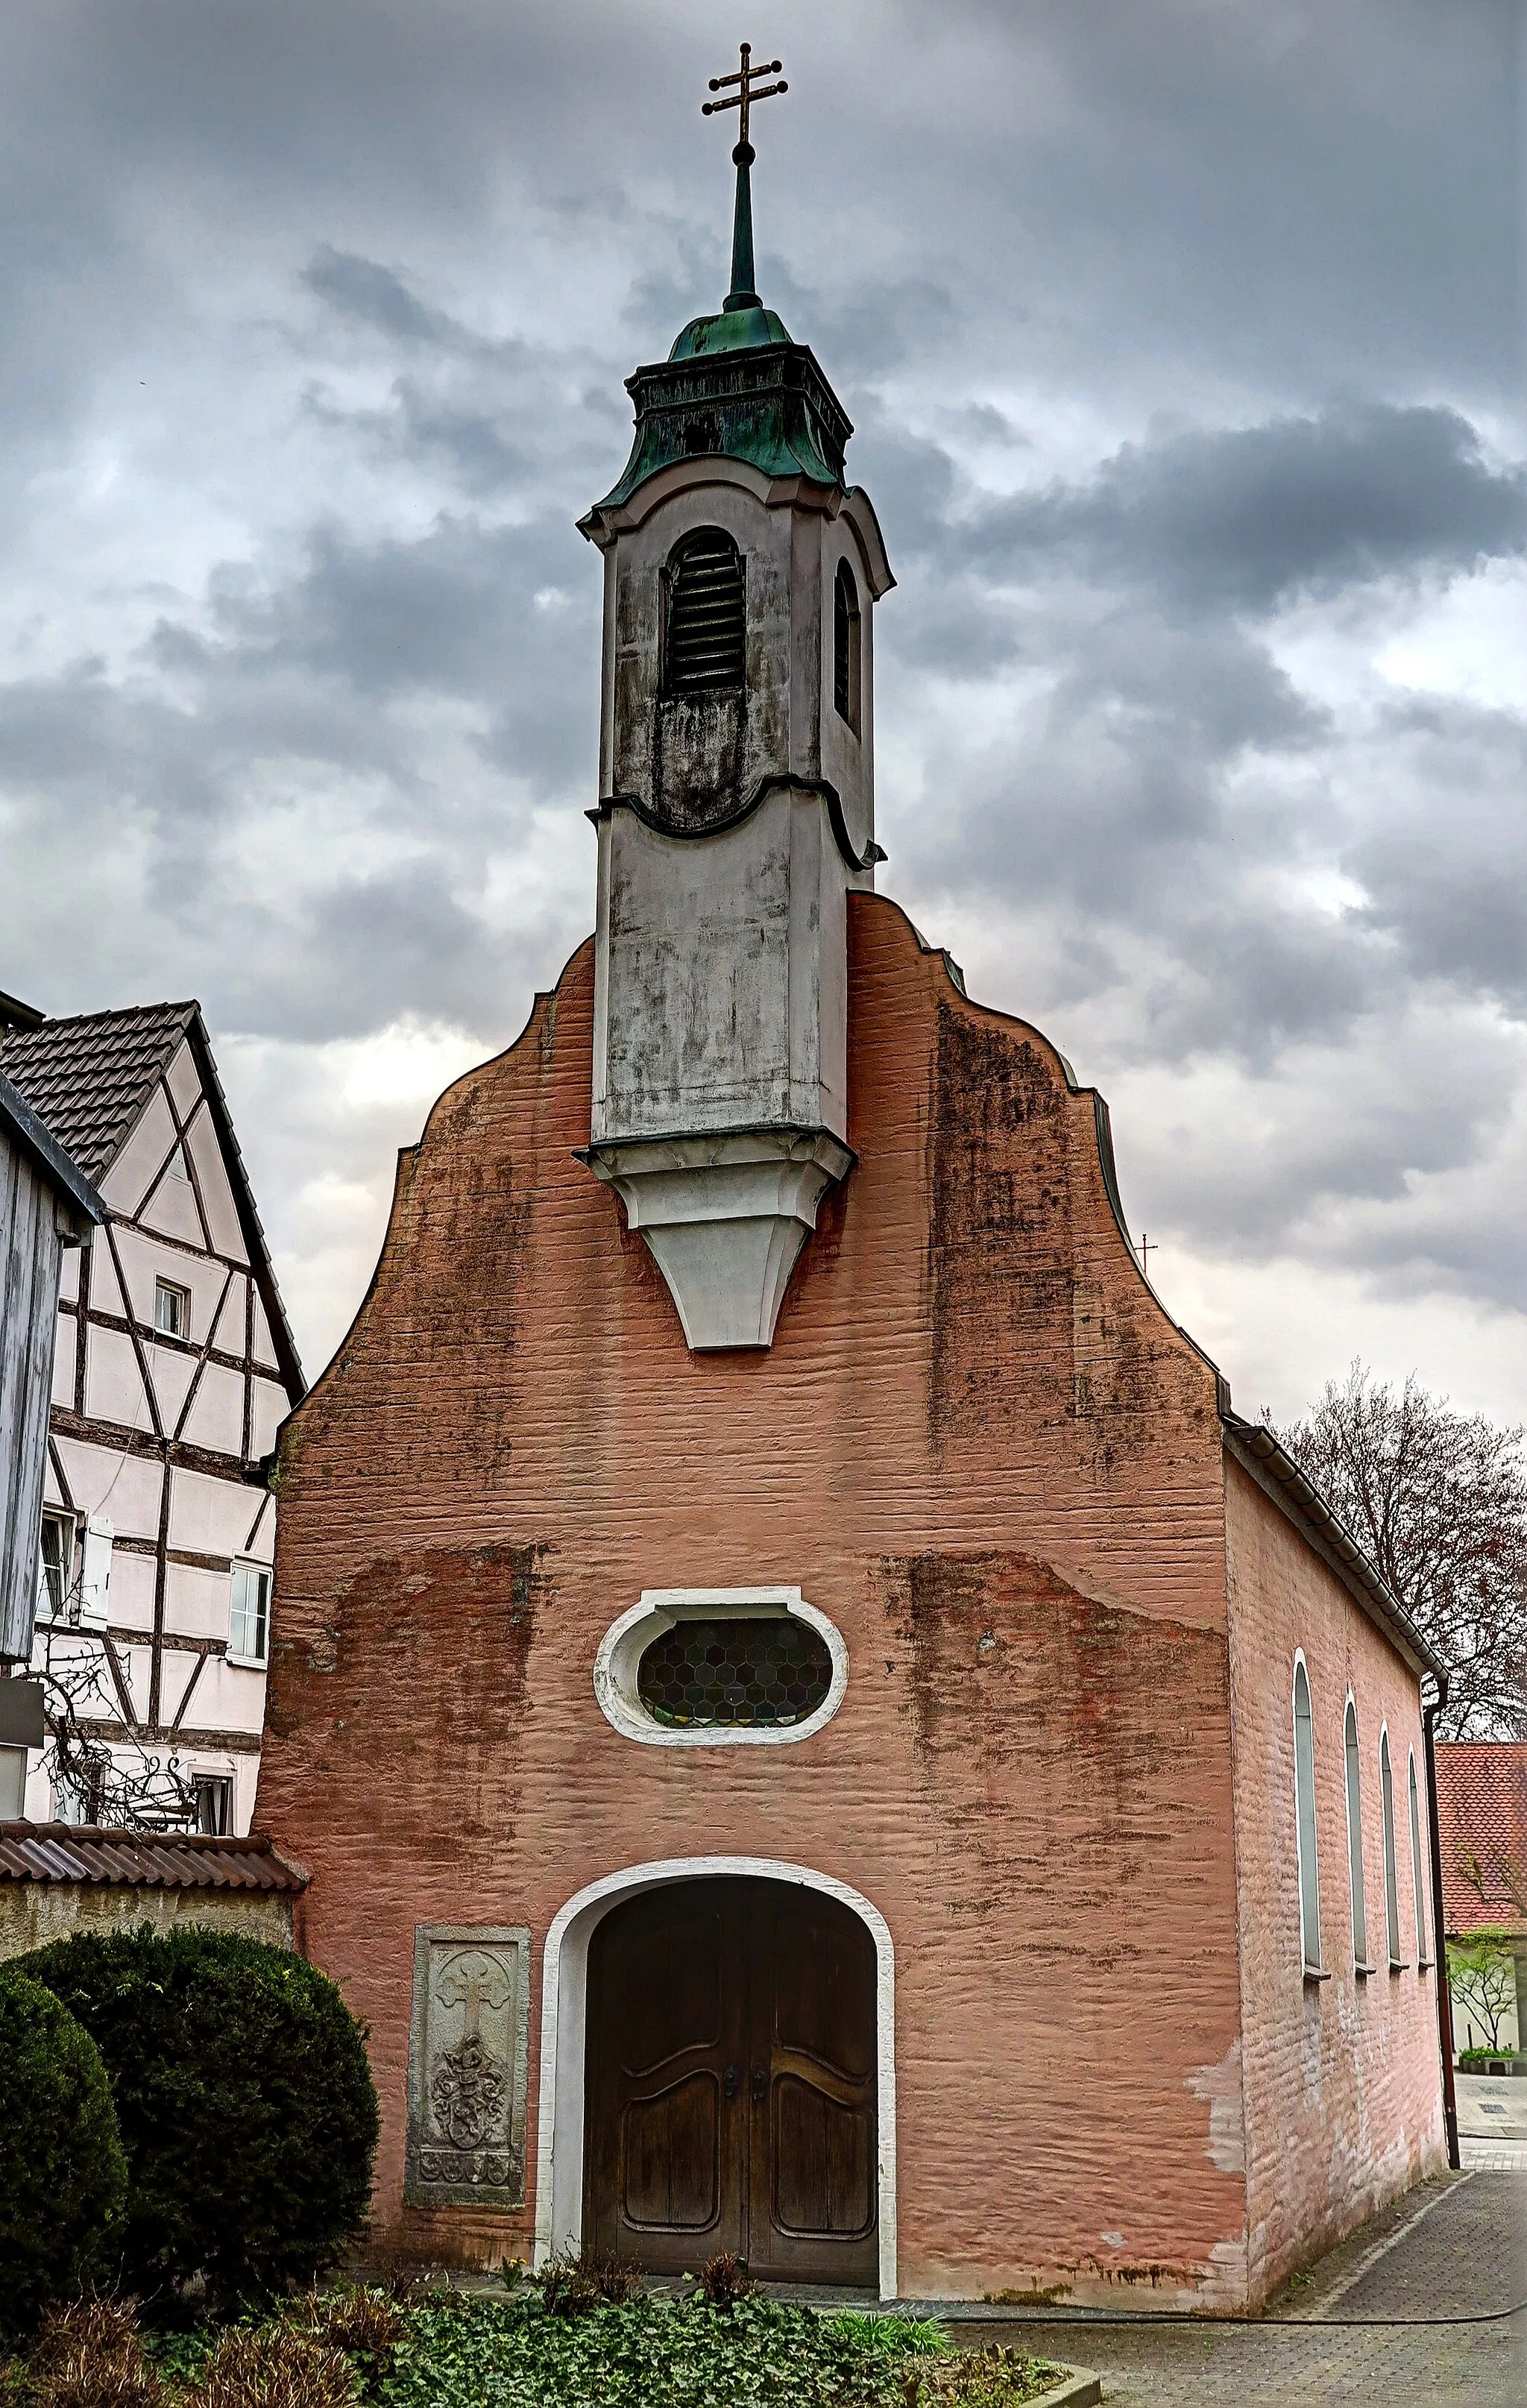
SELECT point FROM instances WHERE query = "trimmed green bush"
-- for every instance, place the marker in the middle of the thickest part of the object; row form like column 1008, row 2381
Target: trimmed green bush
column 244, row 2102
column 63, row 2175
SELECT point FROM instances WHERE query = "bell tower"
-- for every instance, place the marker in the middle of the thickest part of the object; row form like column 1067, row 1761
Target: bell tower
column 737, row 799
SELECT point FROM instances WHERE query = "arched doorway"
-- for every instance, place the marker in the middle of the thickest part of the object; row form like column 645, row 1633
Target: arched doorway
column 731, row 2081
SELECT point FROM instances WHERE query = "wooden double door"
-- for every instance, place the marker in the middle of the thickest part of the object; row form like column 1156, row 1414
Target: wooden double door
column 729, row 2086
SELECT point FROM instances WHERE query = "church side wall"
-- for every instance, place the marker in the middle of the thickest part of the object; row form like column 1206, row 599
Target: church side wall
column 1343, row 2096
column 979, row 1448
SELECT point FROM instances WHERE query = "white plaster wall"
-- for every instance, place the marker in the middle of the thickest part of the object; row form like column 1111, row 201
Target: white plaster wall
column 144, row 1263
column 271, row 1406
column 127, row 1181
column 213, row 1517
column 64, row 1345
column 182, row 1080
column 172, row 1208
column 217, row 1192
column 127, row 1488
column 216, row 1418
column 113, row 1387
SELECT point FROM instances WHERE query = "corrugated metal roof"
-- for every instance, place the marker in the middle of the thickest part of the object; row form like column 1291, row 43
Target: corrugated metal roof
column 89, row 1078
column 62, row 1852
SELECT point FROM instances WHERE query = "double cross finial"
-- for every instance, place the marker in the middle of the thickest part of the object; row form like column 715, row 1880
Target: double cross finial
column 742, row 295
column 743, row 98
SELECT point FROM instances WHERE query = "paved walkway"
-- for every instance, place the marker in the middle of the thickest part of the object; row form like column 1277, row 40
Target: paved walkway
column 1457, row 2247
column 1493, row 2121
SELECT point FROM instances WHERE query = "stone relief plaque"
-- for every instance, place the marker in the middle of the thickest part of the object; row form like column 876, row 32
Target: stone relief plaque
column 468, row 2045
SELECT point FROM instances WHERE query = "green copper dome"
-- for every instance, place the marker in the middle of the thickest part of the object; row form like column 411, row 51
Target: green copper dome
column 730, row 330
column 734, row 386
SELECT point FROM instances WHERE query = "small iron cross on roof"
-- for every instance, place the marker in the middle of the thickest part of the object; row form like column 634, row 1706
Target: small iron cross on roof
column 747, row 92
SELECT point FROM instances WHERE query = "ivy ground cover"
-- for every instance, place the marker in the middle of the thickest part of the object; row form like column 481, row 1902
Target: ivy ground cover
column 664, row 2353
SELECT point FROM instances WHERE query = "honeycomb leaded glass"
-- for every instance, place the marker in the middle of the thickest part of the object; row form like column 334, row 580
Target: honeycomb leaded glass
column 734, row 1673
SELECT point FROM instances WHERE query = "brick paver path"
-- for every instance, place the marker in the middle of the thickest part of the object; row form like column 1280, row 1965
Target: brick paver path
column 1466, row 2254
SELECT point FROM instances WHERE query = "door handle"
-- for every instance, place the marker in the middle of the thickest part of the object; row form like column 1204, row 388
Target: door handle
column 760, row 2083
column 731, row 2082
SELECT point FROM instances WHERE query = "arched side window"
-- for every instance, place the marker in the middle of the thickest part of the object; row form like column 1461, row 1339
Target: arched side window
column 1304, row 1800
column 1391, row 1877
column 1354, row 1843
column 706, row 637
column 1418, row 1870
column 845, row 646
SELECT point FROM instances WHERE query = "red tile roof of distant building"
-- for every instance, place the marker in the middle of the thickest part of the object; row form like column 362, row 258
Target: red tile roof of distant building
column 1482, row 1814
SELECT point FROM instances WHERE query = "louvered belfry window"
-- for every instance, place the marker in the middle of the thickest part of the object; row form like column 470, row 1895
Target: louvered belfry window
column 708, row 615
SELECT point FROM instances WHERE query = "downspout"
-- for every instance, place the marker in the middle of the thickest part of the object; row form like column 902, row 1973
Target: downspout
column 1439, row 1936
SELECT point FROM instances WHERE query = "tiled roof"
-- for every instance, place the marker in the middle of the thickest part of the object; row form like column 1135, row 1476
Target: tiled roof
column 90, row 1077
column 60, row 1852
column 1482, row 1818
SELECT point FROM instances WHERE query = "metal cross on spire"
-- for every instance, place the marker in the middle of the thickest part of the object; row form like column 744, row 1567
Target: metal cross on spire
column 747, row 79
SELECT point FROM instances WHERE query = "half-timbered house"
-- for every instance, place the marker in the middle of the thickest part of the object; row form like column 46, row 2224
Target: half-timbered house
column 174, row 1366
column 46, row 1206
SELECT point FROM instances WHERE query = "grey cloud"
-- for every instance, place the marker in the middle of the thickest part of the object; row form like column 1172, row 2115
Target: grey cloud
column 1245, row 519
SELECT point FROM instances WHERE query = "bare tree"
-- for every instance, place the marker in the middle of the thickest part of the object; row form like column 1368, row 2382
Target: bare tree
column 1438, row 1501
column 122, row 1787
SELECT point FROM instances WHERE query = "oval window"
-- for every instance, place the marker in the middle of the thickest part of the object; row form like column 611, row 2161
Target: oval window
column 737, row 1672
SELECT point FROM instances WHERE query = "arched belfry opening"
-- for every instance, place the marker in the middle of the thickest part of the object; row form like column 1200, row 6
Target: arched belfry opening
column 706, row 645
column 846, row 661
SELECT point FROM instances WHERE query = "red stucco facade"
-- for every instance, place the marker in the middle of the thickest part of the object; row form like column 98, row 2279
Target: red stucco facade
column 1062, row 1770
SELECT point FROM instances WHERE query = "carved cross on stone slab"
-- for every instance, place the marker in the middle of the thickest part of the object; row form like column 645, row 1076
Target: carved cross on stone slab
column 467, row 2052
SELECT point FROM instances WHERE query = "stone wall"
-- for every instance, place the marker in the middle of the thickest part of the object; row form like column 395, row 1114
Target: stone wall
column 32, row 1912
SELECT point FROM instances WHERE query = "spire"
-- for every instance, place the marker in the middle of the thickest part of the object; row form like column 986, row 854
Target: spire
column 742, row 295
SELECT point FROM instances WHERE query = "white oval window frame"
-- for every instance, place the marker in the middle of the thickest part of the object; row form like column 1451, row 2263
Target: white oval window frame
column 657, row 1610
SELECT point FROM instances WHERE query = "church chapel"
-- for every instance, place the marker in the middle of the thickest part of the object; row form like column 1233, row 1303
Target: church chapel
column 813, row 1727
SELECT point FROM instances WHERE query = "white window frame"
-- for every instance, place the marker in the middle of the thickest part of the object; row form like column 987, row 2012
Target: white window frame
column 1418, row 1864
column 245, row 1565
column 1306, row 1843
column 68, row 1602
column 1392, row 1870
column 1351, row 1748
column 172, row 1287
column 657, row 1609
column 223, row 1775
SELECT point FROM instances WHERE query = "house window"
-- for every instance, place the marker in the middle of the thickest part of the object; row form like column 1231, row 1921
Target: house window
column 249, row 1617
column 80, row 1794
column 1304, row 1797
column 172, row 1310
column 845, row 646
column 1391, row 1880
column 1354, row 1844
column 734, row 1673
column 707, row 614
column 1417, row 1875
column 214, row 1796
column 55, row 1569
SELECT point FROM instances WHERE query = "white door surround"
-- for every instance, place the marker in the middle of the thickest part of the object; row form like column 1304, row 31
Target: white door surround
column 559, row 2154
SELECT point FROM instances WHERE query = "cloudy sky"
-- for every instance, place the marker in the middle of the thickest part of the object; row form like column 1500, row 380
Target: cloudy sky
column 1184, row 342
